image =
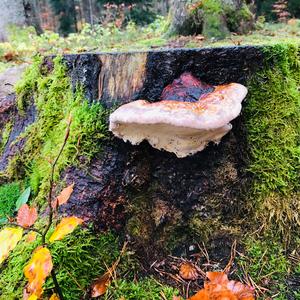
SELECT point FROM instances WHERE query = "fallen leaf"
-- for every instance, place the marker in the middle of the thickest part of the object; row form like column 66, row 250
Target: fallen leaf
column 201, row 295
column 54, row 297
column 26, row 216
column 219, row 287
column 217, row 277
column 9, row 238
column 31, row 237
column 188, row 271
column 64, row 196
column 100, row 285
column 37, row 270
column 66, row 226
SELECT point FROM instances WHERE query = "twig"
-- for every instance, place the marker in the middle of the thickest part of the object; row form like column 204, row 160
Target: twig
column 232, row 257
column 27, row 229
column 56, row 284
column 50, row 219
column 52, row 182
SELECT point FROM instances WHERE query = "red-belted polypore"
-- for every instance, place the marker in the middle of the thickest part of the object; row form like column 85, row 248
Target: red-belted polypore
column 189, row 116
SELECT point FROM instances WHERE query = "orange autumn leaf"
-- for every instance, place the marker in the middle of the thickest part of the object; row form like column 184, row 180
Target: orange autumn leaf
column 31, row 237
column 66, row 226
column 37, row 270
column 201, row 295
column 100, row 285
column 217, row 277
column 9, row 238
column 64, row 196
column 188, row 271
column 219, row 287
column 54, row 297
column 26, row 216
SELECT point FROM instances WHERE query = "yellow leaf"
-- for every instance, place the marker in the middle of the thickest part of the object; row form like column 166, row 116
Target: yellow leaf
column 54, row 297
column 37, row 270
column 9, row 238
column 33, row 297
column 66, row 226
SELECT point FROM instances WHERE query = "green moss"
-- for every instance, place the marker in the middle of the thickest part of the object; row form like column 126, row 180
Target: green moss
column 55, row 103
column 272, row 119
column 5, row 135
column 9, row 194
column 266, row 263
column 78, row 259
column 147, row 289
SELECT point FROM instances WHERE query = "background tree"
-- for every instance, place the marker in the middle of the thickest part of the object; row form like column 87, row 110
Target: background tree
column 66, row 13
column 213, row 18
column 18, row 12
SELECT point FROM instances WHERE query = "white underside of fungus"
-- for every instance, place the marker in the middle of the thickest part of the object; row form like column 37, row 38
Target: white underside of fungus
column 183, row 128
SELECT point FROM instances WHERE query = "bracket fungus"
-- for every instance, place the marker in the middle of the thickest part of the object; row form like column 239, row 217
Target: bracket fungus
column 189, row 115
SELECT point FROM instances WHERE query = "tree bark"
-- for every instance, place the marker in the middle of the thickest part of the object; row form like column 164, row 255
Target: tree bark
column 19, row 13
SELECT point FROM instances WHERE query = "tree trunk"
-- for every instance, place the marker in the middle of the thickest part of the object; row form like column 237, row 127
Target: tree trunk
column 180, row 19
column 17, row 12
column 215, row 18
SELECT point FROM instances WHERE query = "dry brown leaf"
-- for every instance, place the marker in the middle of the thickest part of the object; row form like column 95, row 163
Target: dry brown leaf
column 64, row 196
column 26, row 216
column 100, row 285
column 188, row 271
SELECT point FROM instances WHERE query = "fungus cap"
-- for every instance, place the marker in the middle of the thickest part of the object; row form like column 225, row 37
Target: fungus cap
column 183, row 128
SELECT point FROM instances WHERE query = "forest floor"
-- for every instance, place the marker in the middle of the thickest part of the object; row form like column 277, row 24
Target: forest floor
column 23, row 44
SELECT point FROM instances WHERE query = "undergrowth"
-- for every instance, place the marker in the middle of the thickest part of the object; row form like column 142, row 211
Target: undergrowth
column 52, row 95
